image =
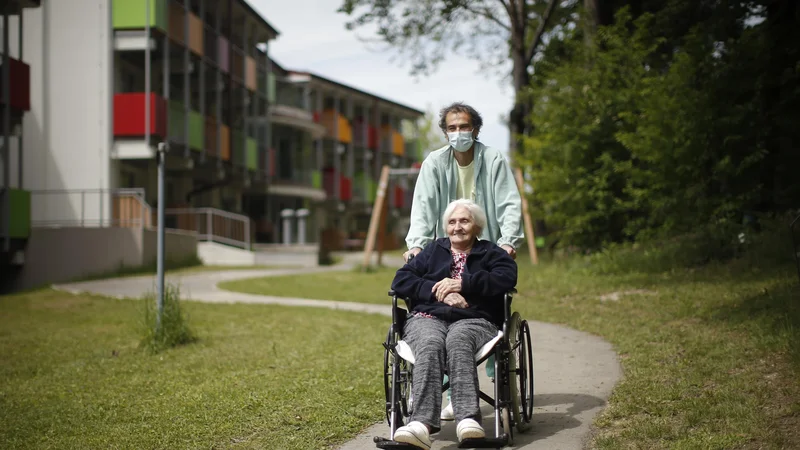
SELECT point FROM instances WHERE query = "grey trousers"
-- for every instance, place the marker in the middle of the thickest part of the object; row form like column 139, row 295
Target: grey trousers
column 437, row 344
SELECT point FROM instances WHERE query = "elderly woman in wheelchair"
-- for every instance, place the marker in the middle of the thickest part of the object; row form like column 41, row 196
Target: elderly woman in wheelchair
column 458, row 295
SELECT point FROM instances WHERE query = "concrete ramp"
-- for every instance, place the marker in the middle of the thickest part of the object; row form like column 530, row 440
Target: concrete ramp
column 214, row 254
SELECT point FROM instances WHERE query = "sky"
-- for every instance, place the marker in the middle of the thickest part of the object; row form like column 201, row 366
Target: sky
column 313, row 38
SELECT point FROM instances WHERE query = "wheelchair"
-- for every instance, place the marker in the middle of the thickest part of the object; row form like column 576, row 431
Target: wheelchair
column 513, row 379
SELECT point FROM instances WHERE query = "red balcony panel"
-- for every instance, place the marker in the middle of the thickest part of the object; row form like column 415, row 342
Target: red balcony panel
column 345, row 188
column 399, row 197
column 345, row 185
column 129, row 115
column 20, row 75
column 316, row 116
column 373, row 137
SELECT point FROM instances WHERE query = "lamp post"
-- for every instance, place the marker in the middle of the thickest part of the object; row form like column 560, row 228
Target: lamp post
column 161, row 154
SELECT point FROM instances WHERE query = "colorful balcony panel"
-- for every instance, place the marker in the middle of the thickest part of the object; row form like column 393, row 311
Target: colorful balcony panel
column 250, row 73
column 223, row 54
column 225, row 150
column 129, row 115
column 20, row 76
column 20, row 205
column 251, row 154
column 338, row 130
column 345, row 185
column 399, row 197
column 176, row 22
column 195, row 34
column 394, row 141
column 316, row 179
column 196, row 131
column 131, row 14
column 210, row 136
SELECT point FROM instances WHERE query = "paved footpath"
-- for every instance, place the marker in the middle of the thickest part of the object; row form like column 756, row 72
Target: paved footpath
column 574, row 371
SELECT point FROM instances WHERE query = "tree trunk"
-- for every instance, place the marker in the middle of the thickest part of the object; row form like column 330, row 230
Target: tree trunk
column 518, row 118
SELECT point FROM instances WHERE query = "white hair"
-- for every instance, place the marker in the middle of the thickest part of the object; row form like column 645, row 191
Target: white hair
column 478, row 216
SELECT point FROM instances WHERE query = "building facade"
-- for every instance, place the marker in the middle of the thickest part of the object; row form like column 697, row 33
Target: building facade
column 111, row 80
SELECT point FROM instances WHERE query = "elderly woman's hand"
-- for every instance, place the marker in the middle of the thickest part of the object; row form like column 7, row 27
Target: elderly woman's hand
column 445, row 287
column 455, row 300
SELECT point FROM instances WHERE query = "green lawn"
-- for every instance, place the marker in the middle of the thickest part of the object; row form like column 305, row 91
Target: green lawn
column 711, row 355
column 348, row 286
column 72, row 376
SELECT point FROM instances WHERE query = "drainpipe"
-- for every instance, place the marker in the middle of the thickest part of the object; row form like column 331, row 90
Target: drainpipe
column 6, row 126
column 20, row 164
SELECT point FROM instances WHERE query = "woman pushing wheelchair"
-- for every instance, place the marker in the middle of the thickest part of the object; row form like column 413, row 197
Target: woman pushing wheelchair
column 455, row 291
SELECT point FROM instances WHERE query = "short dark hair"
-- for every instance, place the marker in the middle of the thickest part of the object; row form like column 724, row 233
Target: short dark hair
column 459, row 107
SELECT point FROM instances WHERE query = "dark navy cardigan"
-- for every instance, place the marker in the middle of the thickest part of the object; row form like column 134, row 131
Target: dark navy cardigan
column 489, row 273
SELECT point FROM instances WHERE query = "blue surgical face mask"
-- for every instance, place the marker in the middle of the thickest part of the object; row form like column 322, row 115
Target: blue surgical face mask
column 461, row 141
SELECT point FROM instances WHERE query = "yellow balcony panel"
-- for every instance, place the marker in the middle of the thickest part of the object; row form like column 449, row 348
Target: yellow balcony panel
column 341, row 130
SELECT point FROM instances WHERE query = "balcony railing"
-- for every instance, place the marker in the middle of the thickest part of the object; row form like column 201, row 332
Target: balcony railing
column 211, row 225
column 90, row 208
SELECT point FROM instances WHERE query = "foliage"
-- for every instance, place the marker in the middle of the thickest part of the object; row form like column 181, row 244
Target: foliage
column 665, row 123
column 173, row 330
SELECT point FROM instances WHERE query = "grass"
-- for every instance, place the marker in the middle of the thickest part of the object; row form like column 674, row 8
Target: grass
column 73, row 376
column 348, row 286
column 711, row 353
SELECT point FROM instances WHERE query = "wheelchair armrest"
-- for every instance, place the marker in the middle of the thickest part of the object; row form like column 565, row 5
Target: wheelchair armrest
column 512, row 291
column 392, row 293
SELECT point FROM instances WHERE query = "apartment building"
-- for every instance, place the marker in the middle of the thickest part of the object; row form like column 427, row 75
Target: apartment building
column 14, row 107
column 111, row 80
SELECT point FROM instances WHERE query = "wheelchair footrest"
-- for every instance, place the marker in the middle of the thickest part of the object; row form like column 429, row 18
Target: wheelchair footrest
column 487, row 442
column 389, row 444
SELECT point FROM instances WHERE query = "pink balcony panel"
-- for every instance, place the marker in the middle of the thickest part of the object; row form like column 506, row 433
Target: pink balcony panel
column 223, row 52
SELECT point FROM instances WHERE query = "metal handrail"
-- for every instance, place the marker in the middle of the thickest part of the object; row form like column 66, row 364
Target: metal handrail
column 213, row 225
column 107, row 214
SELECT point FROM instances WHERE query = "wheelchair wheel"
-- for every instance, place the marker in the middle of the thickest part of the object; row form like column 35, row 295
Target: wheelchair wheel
column 525, row 376
column 520, row 372
column 403, row 394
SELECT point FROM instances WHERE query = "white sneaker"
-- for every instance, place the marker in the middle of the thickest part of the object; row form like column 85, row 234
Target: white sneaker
column 415, row 433
column 447, row 412
column 469, row 429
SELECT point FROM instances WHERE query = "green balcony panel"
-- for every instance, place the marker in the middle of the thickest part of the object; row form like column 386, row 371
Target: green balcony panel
column 196, row 131
column 372, row 190
column 271, row 90
column 132, row 14
column 20, row 226
column 252, row 154
column 316, row 179
column 176, row 121
column 238, row 151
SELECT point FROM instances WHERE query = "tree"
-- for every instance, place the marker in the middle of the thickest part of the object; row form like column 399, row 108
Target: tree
column 491, row 31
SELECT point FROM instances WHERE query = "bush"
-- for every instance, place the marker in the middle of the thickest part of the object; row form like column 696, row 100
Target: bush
column 174, row 329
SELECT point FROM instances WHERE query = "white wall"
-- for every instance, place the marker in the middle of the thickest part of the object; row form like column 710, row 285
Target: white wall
column 68, row 132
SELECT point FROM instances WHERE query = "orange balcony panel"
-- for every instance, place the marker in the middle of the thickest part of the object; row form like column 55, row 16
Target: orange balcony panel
column 250, row 74
column 211, row 136
column 176, row 22
column 225, row 150
column 393, row 140
column 129, row 114
column 195, row 34
column 20, row 77
column 339, row 130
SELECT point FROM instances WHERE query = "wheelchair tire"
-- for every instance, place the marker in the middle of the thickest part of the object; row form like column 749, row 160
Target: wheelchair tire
column 403, row 385
column 520, row 372
column 525, row 376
